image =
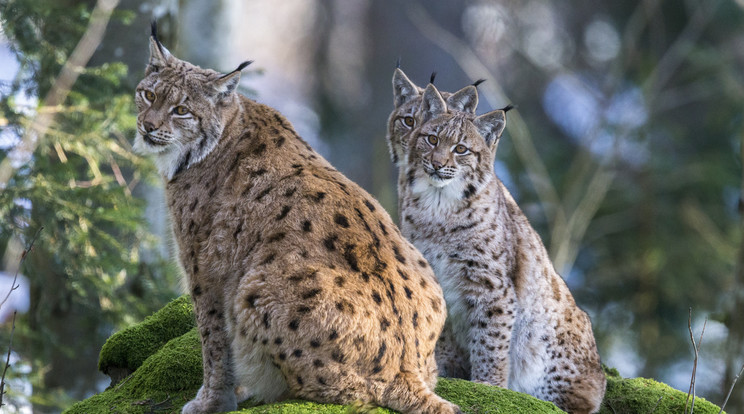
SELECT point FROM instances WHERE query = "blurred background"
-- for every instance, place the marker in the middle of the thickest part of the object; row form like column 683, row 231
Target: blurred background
column 625, row 152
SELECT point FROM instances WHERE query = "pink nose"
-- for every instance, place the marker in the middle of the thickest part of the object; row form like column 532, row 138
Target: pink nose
column 436, row 164
column 149, row 127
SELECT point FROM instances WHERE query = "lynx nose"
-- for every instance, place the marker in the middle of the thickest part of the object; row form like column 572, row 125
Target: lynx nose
column 149, row 127
column 436, row 164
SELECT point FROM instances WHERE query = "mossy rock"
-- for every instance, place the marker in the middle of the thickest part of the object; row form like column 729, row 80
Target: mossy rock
column 642, row 395
column 171, row 374
column 126, row 350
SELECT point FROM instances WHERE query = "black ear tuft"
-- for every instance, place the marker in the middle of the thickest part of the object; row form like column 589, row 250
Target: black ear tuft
column 397, row 63
column 154, row 30
column 478, row 82
column 240, row 67
column 508, row 108
column 433, row 76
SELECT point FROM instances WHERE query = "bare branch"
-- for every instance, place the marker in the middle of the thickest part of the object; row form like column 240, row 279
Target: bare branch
column 7, row 361
column 736, row 378
column 14, row 286
column 696, row 348
column 656, row 405
column 61, row 87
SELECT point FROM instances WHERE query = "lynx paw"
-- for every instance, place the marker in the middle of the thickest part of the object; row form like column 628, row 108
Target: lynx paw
column 211, row 401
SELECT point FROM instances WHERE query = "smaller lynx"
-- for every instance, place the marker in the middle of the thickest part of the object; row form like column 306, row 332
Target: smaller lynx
column 512, row 316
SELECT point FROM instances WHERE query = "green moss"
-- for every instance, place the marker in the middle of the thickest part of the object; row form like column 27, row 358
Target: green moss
column 126, row 350
column 171, row 376
column 641, row 395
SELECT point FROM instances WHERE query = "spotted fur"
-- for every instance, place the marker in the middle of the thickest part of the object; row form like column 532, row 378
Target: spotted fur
column 511, row 317
column 302, row 285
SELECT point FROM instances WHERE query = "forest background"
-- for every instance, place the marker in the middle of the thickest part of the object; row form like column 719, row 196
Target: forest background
column 625, row 152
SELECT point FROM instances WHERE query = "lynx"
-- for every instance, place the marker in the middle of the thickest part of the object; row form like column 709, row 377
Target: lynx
column 512, row 317
column 402, row 120
column 302, row 285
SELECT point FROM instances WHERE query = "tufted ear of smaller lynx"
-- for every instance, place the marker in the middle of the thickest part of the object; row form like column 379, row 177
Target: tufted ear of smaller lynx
column 226, row 84
column 491, row 125
column 403, row 89
column 432, row 104
column 464, row 100
column 159, row 55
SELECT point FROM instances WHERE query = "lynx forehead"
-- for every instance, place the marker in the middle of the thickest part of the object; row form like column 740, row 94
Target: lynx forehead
column 511, row 319
column 302, row 285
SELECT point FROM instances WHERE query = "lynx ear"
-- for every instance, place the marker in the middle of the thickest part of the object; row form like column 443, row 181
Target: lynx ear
column 159, row 55
column 226, row 84
column 432, row 104
column 464, row 100
column 403, row 89
column 491, row 126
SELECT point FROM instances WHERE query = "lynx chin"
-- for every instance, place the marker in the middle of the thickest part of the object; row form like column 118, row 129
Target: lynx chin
column 302, row 285
column 512, row 321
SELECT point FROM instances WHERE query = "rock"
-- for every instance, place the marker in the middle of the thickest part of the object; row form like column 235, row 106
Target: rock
column 159, row 362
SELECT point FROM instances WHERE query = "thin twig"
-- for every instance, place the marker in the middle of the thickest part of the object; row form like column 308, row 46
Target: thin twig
column 736, row 378
column 696, row 348
column 7, row 361
column 14, row 286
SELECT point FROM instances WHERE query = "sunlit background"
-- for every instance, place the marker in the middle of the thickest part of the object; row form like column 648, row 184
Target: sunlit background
column 625, row 152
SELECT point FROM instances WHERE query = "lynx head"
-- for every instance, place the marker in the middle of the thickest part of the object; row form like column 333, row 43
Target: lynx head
column 451, row 150
column 406, row 101
column 182, row 109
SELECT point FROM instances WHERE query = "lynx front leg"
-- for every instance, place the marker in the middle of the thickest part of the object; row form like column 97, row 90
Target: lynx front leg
column 491, row 323
column 217, row 393
column 452, row 361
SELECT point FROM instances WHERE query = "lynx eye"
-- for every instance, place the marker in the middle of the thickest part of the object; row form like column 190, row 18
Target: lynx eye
column 432, row 139
column 408, row 121
column 180, row 110
column 150, row 95
column 461, row 149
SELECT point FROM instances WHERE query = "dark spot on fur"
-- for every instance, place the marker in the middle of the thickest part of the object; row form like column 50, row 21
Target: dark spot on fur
column 279, row 141
column 264, row 193
column 351, row 258
column 294, row 324
column 469, row 191
column 197, row 290
column 333, row 335
column 266, row 320
column 318, row 363
column 303, row 309
column 311, row 293
column 384, row 324
column 278, row 341
column 377, row 298
column 341, row 220
column 276, row 237
column 290, row 192
column 415, row 319
column 251, row 300
column 402, row 274
column 282, row 356
column 314, row 343
column 306, row 226
column 339, row 281
column 259, row 149
column 398, row 256
column 330, row 242
column 268, row 259
column 369, row 205
column 408, row 292
column 321, row 381
column 284, row 212
column 317, row 197
column 337, row 356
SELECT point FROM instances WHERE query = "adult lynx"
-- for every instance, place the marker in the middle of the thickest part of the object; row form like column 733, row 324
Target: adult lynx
column 302, row 285
column 513, row 319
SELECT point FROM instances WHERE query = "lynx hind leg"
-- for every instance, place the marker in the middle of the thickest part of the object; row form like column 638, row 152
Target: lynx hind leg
column 408, row 393
column 451, row 360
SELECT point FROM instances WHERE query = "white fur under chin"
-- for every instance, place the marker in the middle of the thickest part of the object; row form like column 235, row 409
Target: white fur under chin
column 168, row 158
column 437, row 195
